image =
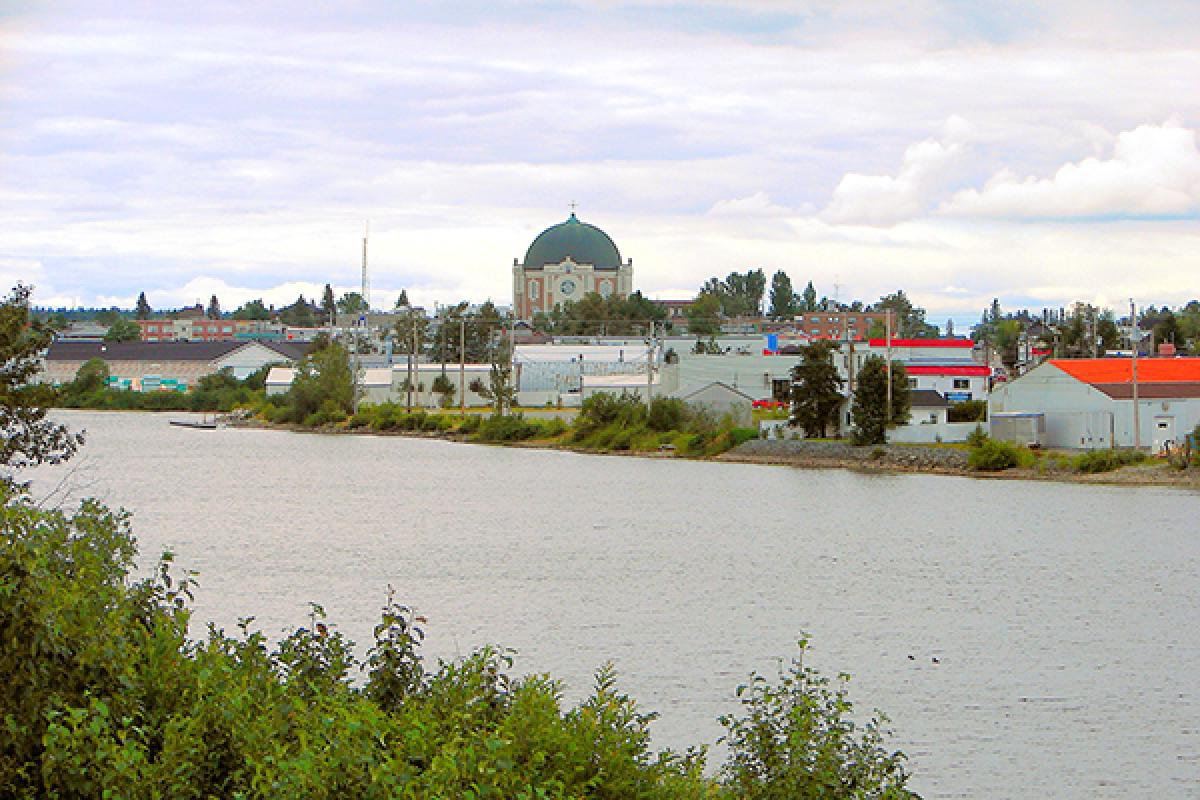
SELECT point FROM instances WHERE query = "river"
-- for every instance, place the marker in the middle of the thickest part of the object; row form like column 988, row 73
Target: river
column 1063, row 617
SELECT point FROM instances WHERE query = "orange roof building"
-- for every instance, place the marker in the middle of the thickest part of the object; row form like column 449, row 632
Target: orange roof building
column 1088, row 403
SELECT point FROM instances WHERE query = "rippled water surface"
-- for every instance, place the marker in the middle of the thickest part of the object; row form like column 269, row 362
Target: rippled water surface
column 1064, row 618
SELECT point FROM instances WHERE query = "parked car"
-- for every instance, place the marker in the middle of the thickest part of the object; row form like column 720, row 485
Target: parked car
column 769, row 403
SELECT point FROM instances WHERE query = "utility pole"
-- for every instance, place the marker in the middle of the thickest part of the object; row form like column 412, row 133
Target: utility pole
column 462, row 365
column 1133, row 341
column 362, row 330
column 412, row 355
column 650, row 366
column 849, row 352
column 888, row 366
column 512, row 360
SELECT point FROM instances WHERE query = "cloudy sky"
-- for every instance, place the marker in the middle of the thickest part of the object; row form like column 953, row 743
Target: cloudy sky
column 1038, row 152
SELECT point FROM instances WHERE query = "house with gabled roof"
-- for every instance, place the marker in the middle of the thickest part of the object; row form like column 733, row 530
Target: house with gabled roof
column 1088, row 403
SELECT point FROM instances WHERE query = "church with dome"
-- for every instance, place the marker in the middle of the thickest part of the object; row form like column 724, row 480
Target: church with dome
column 565, row 262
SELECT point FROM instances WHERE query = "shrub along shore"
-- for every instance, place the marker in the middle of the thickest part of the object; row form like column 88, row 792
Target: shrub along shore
column 606, row 423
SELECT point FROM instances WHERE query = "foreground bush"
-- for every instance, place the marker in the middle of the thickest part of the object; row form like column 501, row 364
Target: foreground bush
column 102, row 694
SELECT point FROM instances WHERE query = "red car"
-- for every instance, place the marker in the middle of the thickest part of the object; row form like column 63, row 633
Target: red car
column 769, row 403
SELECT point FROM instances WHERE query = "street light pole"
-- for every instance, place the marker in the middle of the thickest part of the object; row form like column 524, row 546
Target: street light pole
column 1133, row 341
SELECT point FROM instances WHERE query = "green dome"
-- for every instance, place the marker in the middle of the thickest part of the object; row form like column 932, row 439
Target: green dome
column 585, row 244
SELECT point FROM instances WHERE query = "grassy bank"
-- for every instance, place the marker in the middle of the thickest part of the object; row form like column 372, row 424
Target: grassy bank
column 605, row 423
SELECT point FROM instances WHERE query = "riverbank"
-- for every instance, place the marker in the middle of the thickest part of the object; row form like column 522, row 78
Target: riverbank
column 895, row 459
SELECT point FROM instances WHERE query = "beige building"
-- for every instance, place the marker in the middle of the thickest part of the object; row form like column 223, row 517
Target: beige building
column 140, row 365
column 565, row 262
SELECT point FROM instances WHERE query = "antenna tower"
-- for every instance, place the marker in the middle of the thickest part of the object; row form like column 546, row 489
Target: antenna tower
column 366, row 281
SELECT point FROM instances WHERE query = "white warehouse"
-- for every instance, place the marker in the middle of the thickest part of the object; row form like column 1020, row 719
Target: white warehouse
column 1088, row 403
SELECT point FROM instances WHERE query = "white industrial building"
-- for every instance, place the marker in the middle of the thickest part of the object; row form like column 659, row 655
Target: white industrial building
column 1088, row 403
column 379, row 385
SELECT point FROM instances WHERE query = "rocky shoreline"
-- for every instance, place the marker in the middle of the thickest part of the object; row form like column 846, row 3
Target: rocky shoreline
column 933, row 460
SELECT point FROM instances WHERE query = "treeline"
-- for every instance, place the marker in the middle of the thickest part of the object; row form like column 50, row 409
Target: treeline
column 1085, row 331
column 741, row 294
column 596, row 315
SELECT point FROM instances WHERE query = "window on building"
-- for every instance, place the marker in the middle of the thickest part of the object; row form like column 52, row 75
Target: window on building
column 962, row 383
column 912, row 383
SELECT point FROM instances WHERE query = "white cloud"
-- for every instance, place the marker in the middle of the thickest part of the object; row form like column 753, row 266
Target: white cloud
column 755, row 205
column 152, row 146
column 926, row 169
column 1154, row 171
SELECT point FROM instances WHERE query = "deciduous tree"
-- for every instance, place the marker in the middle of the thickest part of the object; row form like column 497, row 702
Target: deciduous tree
column 28, row 437
column 703, row 315
column 123, row 330
column 299, row 314
column 322, row 377
column 254, row 309
column 499, row 387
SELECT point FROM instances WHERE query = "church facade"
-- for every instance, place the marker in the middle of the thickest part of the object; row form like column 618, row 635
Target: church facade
column 565, row 262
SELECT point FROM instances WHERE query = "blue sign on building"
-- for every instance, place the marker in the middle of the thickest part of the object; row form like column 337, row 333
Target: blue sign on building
column 958, row 397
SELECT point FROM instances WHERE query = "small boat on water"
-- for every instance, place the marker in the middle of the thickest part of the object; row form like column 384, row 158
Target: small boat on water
column 205, row 424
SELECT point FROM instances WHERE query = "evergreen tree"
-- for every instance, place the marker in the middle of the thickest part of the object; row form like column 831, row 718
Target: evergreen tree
column 783, row 297
column 214, row 308
column 808, row 301
column 328, row 305
column 402, row 300
column 869, row 413
column 816, row 390
column 143, row 307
